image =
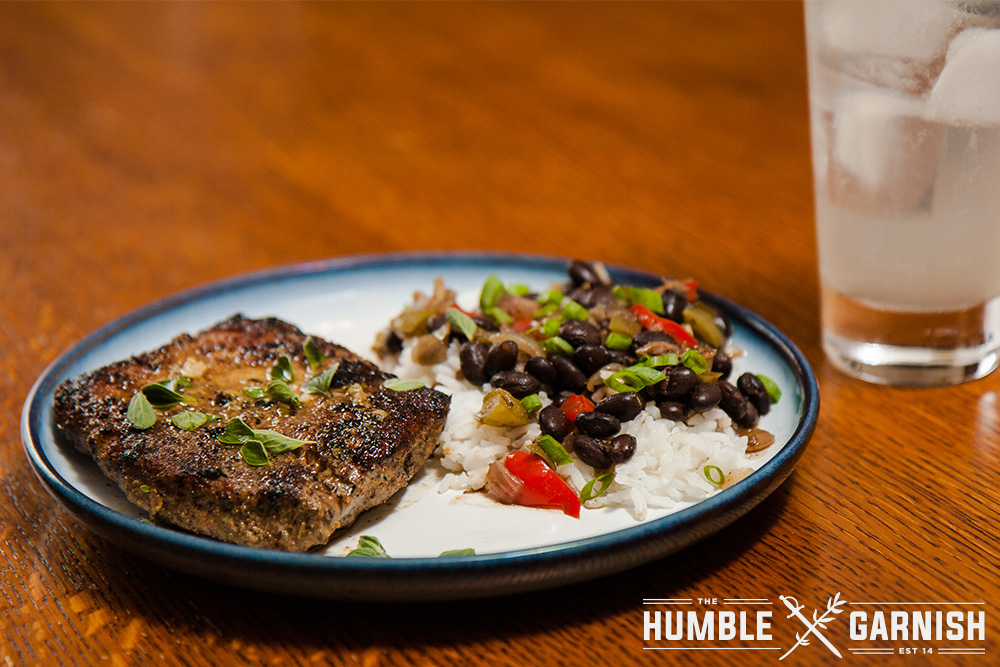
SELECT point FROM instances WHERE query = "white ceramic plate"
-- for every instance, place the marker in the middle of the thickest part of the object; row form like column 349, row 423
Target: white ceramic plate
column 517, row 549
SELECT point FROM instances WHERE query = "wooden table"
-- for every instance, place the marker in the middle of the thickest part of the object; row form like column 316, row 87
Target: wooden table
column 149, row 148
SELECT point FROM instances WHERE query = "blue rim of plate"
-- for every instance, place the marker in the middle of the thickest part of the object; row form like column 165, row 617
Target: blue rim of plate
column 415, row 579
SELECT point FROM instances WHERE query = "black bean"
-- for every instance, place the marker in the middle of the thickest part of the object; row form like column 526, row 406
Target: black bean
column 501, row 357
column 673, row 411
column 486, row 323
column 749, row 418
column 680, row 381
column 674, row 303
column 621, row 357
column 621, row 448
column 570, row 376
column 584, row 273
column 591, row 358
column 602, row 295
column 756, row 393
column 472, row 356
column 598, row 424
column 591, row 452
column 625, row 406
column 554, row 422
column 518, row 384
column 436, row 321
column 578, row 332
column 561, row 397
column 542, row 369
column 722, row 363
column 705, row 397
column 724, row 324
column 582, row 295
column 732, row 401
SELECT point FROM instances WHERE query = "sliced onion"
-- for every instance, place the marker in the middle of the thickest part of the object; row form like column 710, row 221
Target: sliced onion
column 526, row 345
column 502, row 485
column 602, row 373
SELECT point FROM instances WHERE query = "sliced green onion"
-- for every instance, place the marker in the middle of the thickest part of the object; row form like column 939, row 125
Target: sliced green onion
column 552, row 296
column 546, row 309
column 144, row 488
column 282, row 370
column 554, row 450
column 617, row 341
column 634, row 378
column 140, row 412
column 715, row 475
column 647, row 297
column 694, row 360
column 773, row 390
column 254, row 454
column 399, row 384
column 279, row 392
column 369, row 547
column 659, row 360
column 492, row 291
column 462, row 322
column 498, row 315
column 557, row 345
column 605, row 480
column 575, row 311
column 532, row 403
column 550, row 327
column 313, row 355
column 620, row 292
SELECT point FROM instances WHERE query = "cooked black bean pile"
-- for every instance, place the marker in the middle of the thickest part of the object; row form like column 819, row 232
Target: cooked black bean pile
column 580, row 369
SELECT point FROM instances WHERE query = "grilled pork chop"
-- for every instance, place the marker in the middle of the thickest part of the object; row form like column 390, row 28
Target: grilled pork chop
column 363, row 441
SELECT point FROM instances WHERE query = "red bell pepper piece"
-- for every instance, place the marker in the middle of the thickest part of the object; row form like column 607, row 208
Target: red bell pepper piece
column 650, row 320
column 575, row 404
column 523, row 325
column 542, row 486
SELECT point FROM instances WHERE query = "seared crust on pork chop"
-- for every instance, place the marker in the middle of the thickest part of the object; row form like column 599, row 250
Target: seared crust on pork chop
column 365, row 441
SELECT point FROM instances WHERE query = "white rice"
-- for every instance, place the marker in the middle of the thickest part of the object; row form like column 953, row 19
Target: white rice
column 668, row 466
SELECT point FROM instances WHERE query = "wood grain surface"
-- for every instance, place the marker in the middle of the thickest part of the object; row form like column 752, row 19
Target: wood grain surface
column 148, row 148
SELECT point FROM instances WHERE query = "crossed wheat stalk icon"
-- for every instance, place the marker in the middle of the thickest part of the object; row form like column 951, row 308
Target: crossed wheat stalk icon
column 832, row 607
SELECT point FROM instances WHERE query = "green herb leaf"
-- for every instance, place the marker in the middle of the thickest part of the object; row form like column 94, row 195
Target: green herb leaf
column 617, row 341
column 715, row 475
column 588, row 492
column 492, row 291
column 254, row 392
column 144, row 488
column 694, row 360
column 313, row 355
column 462, row 322
column 399, row 384
column 277, row 443
column 369, row 547
column 546, row 309
column 235, row 432
column 557, row 345
column 554, row 450
column 282, row 370
column 532, row 403
column 160, row 395
column 191, row 420
column 575, row 311
column 280, row 392
column 773, row 390
column 457, row 552
column 320, row 384
column 519, row 289
column 140, row 413
column 254, row 454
